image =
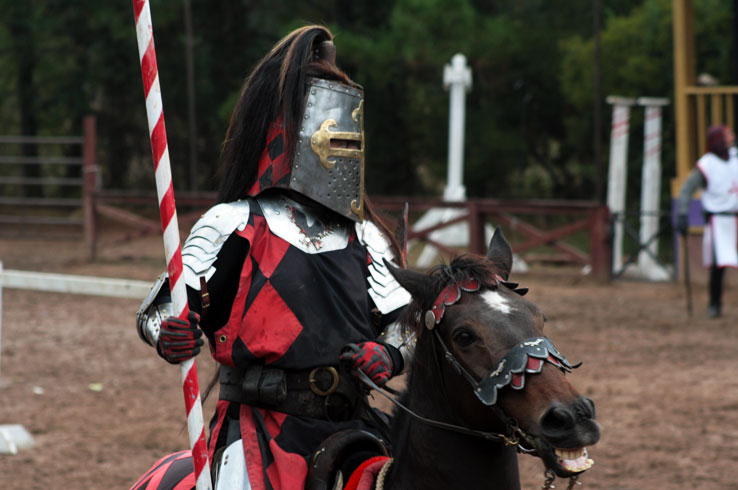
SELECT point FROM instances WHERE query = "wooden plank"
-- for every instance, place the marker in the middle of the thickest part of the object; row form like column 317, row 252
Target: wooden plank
column 40, row 201
column 128, row 218
column 729, row 111
column 552, row 258
column 43, row 140
column 701, row 124
column 202, row 199
column 427, row 231
column 21, row 160
column 451, row 252
column 552, row 236
column 486, row 205
column 40, row 220
column 68, row 283
column 716, row 109
column 40, row 181
column 716, row 89
column 684, row 79
column 532, row 231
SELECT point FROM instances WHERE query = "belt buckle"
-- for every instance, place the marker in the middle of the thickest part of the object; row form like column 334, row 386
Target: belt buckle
column 312, row 380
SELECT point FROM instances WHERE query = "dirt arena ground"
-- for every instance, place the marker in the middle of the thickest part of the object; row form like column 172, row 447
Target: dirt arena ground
column 102, row 407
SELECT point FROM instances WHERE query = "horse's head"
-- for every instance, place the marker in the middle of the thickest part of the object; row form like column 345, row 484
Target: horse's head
column 500, row 374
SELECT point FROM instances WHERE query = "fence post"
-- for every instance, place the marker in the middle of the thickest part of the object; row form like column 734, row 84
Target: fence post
column 89, row 186
column 600, row 244
column 476, row 228
column 1, row 315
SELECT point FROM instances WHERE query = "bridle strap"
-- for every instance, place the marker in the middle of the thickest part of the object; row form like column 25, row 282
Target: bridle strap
column 461, row 370
column 510, row 422
column 513, row 440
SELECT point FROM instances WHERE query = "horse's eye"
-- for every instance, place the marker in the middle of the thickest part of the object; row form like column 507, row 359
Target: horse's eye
column 464, row 337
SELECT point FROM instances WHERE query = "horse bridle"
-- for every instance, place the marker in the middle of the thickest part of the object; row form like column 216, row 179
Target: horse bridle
column 527, row 356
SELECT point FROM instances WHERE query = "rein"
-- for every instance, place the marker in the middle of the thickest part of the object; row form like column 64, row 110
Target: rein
column 514, row 440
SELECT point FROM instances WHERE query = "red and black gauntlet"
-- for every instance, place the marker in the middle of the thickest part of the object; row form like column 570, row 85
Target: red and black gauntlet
column 373, row 359
column 180, row 340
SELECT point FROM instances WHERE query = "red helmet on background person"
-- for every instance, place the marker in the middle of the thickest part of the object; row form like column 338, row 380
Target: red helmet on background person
column 718, row 140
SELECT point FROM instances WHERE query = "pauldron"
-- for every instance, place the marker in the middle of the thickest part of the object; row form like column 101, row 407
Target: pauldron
column 207, row 238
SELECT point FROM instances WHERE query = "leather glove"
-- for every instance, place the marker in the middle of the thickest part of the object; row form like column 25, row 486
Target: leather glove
column 180, row 340
column 682, row 224
column 373, row 359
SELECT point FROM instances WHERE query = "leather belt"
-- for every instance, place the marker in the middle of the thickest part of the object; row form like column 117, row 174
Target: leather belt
column 321, row 392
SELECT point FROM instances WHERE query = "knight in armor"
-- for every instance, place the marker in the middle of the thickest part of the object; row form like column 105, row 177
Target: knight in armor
column 286, row 275
column 717, row 174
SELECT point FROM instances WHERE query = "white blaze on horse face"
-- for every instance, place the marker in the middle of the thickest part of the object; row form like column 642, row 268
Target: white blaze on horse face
column 497, row 301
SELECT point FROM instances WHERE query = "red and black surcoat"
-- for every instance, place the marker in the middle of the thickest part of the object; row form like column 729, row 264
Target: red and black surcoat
column 275, row 305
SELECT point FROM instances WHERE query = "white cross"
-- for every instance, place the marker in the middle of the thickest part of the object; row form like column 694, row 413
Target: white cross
column 457, row 78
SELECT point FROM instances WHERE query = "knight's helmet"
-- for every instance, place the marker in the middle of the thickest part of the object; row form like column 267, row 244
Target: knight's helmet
column 326, row 162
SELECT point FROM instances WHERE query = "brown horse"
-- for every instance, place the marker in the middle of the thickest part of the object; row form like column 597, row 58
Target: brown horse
column 484, row 382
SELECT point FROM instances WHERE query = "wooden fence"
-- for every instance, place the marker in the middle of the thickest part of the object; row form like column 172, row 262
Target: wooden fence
column 520, row 216
column 86, row 202
column 53, row 187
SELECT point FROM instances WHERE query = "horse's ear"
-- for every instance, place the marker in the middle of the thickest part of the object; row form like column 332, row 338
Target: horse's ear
column 416, row 283
column 500, row 253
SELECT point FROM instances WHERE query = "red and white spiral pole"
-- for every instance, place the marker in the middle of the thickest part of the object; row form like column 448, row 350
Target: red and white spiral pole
column 172, row 250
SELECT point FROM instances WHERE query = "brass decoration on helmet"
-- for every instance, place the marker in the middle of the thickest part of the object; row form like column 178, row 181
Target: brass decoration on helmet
column 321, row 143
column 358, row 116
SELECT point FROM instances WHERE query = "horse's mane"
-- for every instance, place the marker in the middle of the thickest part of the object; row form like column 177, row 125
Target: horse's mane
column 462, row 267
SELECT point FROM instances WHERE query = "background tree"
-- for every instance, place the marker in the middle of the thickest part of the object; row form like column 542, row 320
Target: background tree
column 529, row 114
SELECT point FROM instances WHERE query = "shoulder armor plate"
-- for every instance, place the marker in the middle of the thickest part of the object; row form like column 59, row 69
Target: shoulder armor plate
column 207, row 237
column 386, row 292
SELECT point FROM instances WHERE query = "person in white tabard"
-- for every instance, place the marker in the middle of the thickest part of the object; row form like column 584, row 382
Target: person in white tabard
column 717, row 174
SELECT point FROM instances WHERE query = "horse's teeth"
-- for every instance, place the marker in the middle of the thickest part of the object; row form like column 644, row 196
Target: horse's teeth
column 571, row 453
column 574, row 460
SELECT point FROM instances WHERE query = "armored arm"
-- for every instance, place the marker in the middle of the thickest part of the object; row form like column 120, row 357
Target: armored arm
column 199, row 255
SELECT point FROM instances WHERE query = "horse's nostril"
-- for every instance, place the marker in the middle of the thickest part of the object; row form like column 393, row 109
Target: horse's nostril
column 557, row 419
column 586, row 408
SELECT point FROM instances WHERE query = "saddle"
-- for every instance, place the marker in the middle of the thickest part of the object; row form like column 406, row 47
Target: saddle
column 339, row 455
